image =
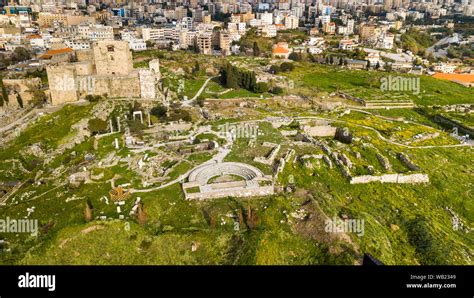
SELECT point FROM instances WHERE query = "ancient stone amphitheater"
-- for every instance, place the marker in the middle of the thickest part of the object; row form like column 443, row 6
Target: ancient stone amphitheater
column 254, row 182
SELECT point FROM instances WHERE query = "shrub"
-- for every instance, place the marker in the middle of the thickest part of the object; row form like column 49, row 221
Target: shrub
column 277, row 90
column 294, row 56
column 96, row 125
column 180, row 114
column 274, row 69
column 39, row 97
column 287, row 66
column 93, row 98
column 425, row 245
column 159, row 111
column 89, row 97
column 261, row 87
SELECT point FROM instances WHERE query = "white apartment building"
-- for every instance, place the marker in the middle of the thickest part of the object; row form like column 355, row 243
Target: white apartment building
column 37, row 42
column 268, row 30
column 315, row 41
column 255, row 23
column 78, row 44
column 242, row 28
column 324, row 19
column 235, row 18
column 385, row 41
column 291, row 22
column 266, row 17
column 187, row 23
column 167, row 33
column 342, row 30
column 24, row 19
column 137, row 44
column 350, row 26
column 187, row 38
column 347, row 44
column 237, row 27
column 314, row 50
column 297, row 11
column 445, row 68
column 95, row 32
column 127, row 35
column 373, row 58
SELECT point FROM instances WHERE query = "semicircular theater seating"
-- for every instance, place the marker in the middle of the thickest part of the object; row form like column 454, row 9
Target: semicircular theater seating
column 203, row 174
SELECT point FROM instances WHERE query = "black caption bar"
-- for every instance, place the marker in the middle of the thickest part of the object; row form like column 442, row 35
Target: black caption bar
column 135, row 281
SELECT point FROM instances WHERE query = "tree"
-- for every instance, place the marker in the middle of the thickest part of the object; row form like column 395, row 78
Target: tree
column 142, row 214
column 39, row 97
column 251, row 218
column 149, row 44
column 136, row 127
column 277, row 90
column 294, row 56
column 159, row 111
column 196, row 67
column 256, row 49
column 97, row 125
column 287, row 66
column 231, row 77
column 88, row 211
column 19, row 100
column 274, row 69
column 241, row 217
column 261, row 87
column 200, row 101
column 21, row 54
column 4, row 92
column 377, row 66
column 425, row 245
column 372, row 80
column 312, row 58
column 93, row 98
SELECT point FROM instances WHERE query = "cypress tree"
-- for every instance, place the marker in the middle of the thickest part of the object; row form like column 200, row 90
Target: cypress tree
column 4, row 91
column 256, row 49
column 20, row 100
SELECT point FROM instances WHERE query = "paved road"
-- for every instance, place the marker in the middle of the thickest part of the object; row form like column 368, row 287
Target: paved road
column 442, row 52
column 189, row 101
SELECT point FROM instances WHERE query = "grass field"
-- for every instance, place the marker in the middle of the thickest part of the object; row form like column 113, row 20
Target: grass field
column 310, row 79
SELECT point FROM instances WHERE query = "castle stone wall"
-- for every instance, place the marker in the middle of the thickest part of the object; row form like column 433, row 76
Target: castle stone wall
column 62, row 83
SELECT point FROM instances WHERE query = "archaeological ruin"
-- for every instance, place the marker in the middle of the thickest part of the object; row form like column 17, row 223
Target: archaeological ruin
column 253, row 182
column 106, row 70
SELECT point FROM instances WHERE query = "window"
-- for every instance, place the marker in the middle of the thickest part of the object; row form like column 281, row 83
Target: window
column 110, row 48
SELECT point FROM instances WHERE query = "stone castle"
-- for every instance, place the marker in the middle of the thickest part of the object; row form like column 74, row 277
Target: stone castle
column 106, row 70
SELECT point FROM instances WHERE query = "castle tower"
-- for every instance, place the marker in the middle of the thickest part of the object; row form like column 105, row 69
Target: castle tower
column 113, row 57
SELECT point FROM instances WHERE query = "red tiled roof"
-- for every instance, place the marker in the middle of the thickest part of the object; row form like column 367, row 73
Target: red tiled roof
column 52, row 53
column 280, row 50
column 457, row 77
column 33, row 36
